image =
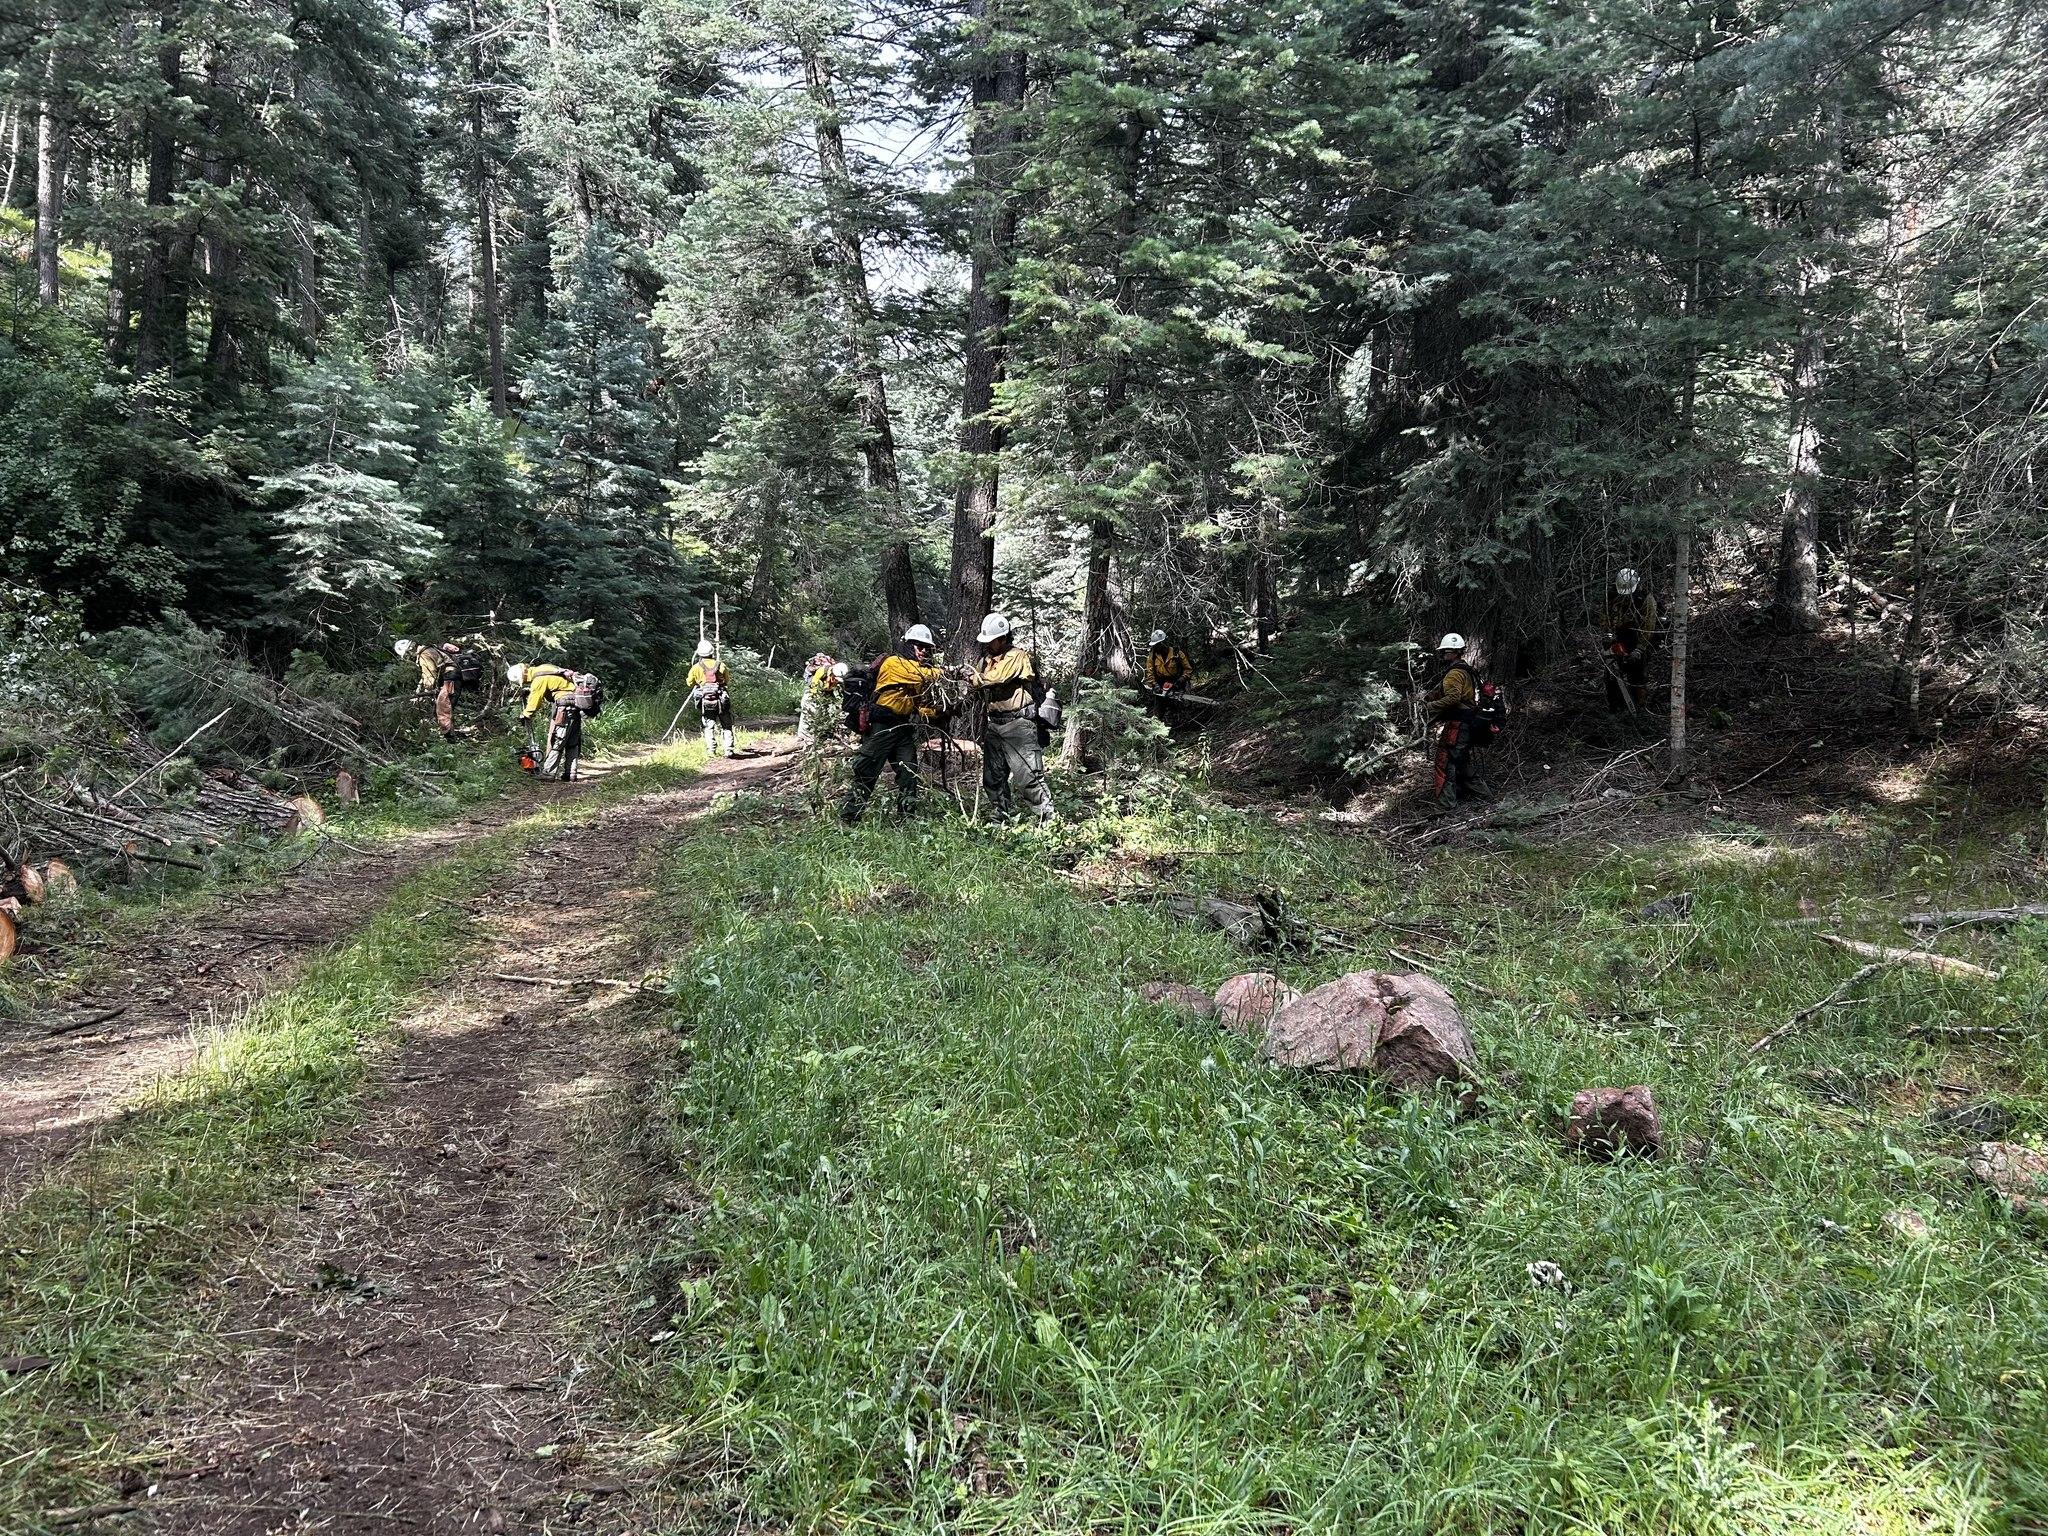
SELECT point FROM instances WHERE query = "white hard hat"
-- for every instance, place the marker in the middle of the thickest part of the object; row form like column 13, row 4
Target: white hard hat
column 515, row 674
column 839, row 670
column 994, row 627
column 919, row 634
column 1451, row 642
column 405, row 647
column 703, row 649
column 1158, row 637
column 1626, row 580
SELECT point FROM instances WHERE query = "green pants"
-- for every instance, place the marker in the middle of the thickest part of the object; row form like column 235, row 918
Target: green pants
column 886, row 745
column 1011, row 758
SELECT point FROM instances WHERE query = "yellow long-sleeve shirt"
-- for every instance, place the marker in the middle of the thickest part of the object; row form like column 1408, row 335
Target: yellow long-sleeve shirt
column 542, row 684
column 1005, row 680
column 1168, row 667
column 900, row 684
column 710, row 673
column 1457, row 691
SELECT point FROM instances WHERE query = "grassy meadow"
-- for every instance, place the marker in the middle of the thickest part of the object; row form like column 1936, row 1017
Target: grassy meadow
column 981, row 1241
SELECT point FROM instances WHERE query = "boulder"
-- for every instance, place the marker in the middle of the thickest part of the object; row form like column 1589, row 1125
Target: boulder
column 1178, row 994
column 1606, row 1122
column 1403, row 1029
column 1247, row 1003
column 2019, row 1174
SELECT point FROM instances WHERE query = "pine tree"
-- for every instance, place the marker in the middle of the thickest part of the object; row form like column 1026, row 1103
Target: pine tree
column 600, row 453
column 348, row 530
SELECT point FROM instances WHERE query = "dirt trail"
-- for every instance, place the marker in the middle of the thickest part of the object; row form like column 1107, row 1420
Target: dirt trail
column 393, row 1355
column 60, row 1083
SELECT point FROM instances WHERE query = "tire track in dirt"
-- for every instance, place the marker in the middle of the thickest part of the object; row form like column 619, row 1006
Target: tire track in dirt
column 394, row 1354
column 170, row 985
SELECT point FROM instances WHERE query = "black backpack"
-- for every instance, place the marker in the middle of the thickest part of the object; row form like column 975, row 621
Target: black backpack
column 856, row 693
column 587, row 693
column 465, row 666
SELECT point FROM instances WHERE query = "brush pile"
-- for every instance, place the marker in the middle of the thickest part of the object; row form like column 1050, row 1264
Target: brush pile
column 156, row 753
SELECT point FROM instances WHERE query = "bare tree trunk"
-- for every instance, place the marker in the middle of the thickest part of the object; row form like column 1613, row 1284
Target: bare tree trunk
column 998, row 90
column 871, row 394
column 53, row 149
column 1101, row 645
column 486, row 222
column 1798, row 596
column 1679, row 616
column 159, row 332
column 223, row 260
column 1906, row 672
column 13, row 156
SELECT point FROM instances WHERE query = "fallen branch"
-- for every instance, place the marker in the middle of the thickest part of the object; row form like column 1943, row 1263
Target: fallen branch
column 1732, row 789
column 75, row 1025
column 570, row 983
column 1947, row 965
column 1840, row 993
column 181, row 746
column 1971, row 917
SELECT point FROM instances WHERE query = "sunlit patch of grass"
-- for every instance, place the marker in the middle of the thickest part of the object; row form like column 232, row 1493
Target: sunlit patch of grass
column 99, row 1258
column 981, row 1241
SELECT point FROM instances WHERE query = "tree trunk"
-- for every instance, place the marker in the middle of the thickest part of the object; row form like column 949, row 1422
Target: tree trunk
column 871, row 393
column 159, row 332
column 223, row 258
column 486, row 223
column 1798, row 596
column 998, row 90
column 53, row 149
column 1906, row 673
column 1102, row 646
column 13, row 157
column 1679, row 616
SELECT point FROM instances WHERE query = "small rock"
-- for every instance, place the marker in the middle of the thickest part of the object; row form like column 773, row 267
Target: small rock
column 1178, row 994
column 1986, row 1121
column 2018, row 1173
column 1608, row 1121
column 1910, row 1225
column 1548, row 1275
column 1247, row 1003
column 1671, row 908
column 1404, row 1029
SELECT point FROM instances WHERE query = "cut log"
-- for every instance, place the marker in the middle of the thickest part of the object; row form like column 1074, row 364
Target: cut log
column 1973, row 917
column 1947, row 965
column 59, row 884
column 9, row 937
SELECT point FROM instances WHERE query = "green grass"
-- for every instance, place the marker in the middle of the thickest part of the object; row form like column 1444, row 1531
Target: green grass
column 100, row 1259
column 982, row 1242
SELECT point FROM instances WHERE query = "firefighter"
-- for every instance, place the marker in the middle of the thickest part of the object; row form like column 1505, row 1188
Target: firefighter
column 1631, row 621
column 1012, row 748
column 821, row 698
column 550, row 686
column 710, row 683
column 895, row 706
column 441, row 668
column 1167, row 668
column 1451, row 705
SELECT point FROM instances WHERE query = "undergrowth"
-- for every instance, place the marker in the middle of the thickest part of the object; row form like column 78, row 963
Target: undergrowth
column 981, row 1241
column 98, row 1259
